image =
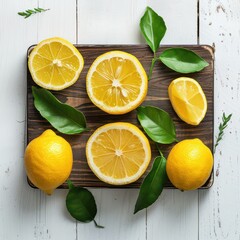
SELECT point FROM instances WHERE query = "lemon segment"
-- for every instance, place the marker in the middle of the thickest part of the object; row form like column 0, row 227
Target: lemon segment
column 189, row 164
column 118, row 153
column 48, row 161
column 116, row 82
column 55, row 64
column 188, row 100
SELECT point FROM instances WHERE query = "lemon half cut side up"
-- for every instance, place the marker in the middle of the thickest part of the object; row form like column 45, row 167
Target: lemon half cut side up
column 118, row 153
column 117, row 82
column 55, row 64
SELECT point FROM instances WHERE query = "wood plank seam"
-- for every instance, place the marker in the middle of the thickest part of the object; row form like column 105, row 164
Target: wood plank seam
column 198, row 21
column 76, row 21
column 198, row 40
column 146, row 222
column 198, row 199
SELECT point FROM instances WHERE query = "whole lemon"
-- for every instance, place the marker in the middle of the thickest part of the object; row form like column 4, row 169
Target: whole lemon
column 189, row 164
column 48, row 161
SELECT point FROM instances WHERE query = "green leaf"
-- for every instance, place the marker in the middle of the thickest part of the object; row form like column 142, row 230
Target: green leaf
column 22, row 14
column 182, row 60
column 30, row 11
column 157, row 124
column 152, row 185
column 81, row 204
column 63, row 117
column 153, row 28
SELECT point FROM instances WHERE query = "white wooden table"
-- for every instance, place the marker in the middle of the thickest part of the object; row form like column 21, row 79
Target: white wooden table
column 28, row 214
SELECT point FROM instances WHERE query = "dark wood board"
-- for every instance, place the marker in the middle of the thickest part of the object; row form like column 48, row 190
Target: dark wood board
column 76, row 96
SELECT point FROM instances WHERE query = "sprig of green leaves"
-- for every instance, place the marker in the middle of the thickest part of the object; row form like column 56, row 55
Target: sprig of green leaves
column 222, row 126
column 29, row 12
column 180, row 60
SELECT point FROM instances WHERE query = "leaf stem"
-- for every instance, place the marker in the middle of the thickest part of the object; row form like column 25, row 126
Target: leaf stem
column 70, row 184
column 98, row 226
column 152, row 66
column 160, row 152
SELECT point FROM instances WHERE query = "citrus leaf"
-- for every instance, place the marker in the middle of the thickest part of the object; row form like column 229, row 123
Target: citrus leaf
column 153, row 28
column 80, row 203
column 157, row 124
column 63, row 117
column 182, row 60
column 152, row 185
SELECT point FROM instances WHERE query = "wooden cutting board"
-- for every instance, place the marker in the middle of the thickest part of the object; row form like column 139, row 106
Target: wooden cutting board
column 77, row 97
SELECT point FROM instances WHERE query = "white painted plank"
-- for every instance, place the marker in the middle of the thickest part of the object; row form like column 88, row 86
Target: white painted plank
column 115, row 213
column 106, row 22
column 17, row 201
column 180, row 18
column 174, row 216
column 114, row 22
column 26, row 213
column 219, row 207
column 53, row 220
column 59, row 21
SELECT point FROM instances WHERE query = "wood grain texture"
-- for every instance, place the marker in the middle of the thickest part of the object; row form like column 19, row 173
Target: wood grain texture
column 219, row 208
column 157, row 96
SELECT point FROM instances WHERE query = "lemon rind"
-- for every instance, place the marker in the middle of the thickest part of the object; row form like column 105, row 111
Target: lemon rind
column 75, row 52
column 143, row 89
column 122, row 126
column 171, row 96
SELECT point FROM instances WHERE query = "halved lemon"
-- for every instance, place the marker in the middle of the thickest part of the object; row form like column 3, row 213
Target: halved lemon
column 188, row 100
column 118, row 153
column 55, row 64
column 117, row 82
